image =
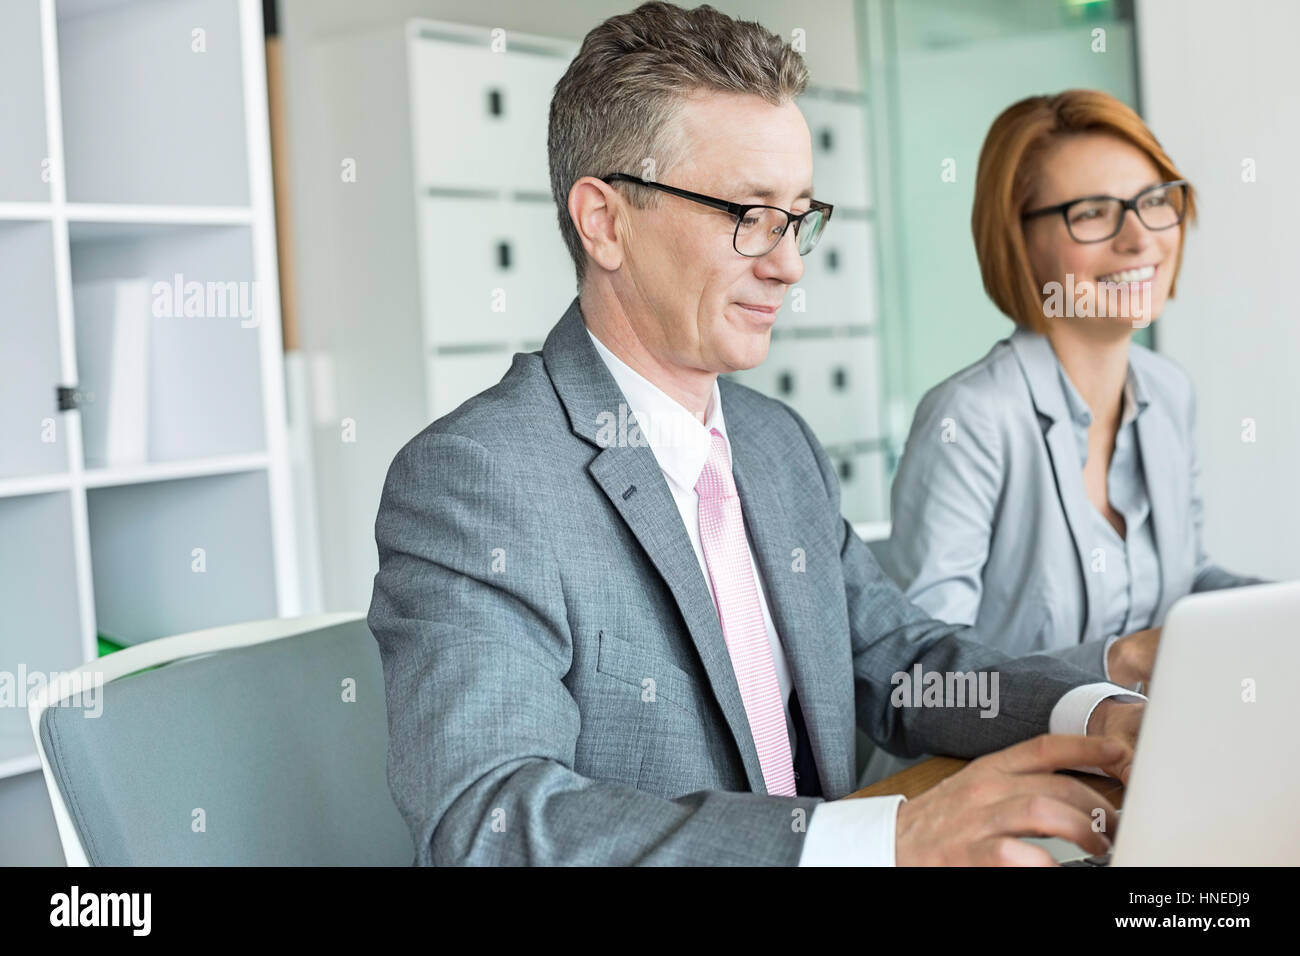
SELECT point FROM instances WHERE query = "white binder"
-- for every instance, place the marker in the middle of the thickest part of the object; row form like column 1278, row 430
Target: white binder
column 113, row 337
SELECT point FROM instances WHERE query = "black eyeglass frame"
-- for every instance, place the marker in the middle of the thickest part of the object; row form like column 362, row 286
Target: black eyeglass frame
column 1126, row 205
column 739, row 210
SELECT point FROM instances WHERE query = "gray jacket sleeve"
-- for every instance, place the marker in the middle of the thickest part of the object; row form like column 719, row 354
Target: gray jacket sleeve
column 482, row 727
column 891, row 636
column 944, row 504
column 945, row 501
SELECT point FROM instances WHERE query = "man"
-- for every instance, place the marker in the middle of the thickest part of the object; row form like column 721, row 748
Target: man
column 605, row 643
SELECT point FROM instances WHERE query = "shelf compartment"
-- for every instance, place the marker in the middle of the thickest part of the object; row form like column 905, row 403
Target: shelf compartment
column 146, row 117
column 23, row 150
column 149, row 581
column 204, row 369
column 40, row 628
column 32, row 430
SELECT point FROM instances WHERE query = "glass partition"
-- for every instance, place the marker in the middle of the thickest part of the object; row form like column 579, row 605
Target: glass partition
column 939, row 72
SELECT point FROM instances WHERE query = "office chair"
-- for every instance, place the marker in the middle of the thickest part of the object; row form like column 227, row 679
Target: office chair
column 255, row 744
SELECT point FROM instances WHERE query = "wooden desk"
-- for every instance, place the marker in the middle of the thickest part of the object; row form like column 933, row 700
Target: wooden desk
column 914, row 781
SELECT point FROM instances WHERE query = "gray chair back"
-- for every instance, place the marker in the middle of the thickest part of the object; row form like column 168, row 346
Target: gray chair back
column 270, row 754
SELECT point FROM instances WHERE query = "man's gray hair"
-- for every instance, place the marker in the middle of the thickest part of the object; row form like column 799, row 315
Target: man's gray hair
column 615, row 109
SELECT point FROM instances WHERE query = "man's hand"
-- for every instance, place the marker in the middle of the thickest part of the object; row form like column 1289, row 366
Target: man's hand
column 1132, row 658
column 974, row 817
column 1117, row 721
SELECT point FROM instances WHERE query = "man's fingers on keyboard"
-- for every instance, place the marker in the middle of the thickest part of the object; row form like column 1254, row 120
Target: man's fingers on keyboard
column 1048, row 752
column 1076, row 793
column 1037, row 815
column 1008, row 851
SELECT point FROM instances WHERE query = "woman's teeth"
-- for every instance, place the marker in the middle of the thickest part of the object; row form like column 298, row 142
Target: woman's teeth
column 1129, row 275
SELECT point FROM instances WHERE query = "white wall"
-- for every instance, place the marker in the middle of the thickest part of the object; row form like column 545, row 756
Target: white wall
column 1220, row 85
column 828, row 25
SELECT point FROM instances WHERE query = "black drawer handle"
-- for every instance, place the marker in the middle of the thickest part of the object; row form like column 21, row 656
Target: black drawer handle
column 846, row 470
column 828, row 141
column 503, row 255
column 496, row 102
column 785, row 383
column 840, row 378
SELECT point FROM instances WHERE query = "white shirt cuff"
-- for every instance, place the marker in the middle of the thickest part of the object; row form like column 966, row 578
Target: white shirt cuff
column 858, row 832
column 1073, row 711
column 1105, row 656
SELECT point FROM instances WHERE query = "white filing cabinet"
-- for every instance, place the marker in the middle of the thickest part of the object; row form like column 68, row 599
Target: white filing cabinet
column 839, row 141
column 493, row 101
column 458, row 377
column 838, row 284
column 824, row 359
column 436, row 254
column 492, row 271
column 830, row 380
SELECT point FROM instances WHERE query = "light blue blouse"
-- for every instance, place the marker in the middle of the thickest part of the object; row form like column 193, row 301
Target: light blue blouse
column 1129, row 565
column 992, row 525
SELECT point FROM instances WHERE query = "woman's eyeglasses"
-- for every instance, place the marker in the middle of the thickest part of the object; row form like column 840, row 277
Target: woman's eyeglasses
column 1098, row 218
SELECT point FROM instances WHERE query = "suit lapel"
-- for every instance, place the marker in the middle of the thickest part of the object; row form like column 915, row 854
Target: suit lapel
column 1070, row 489
column 631, row 478
column 1038, row 362
column 651, row 514
column 1160, row 457
column 794, row 614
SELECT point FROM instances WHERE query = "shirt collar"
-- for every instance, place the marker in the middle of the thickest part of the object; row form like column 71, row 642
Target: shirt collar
column 681, row 445
column 1050, row 389
column 1135, row 398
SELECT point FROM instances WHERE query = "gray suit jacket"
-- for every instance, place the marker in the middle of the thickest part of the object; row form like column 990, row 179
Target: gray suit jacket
column 992, row 528
column 531, row 582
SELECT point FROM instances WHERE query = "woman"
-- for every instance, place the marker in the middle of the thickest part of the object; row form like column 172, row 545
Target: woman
column 1048, row 493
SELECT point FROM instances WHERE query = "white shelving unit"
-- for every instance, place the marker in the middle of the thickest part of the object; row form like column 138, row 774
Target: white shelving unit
column 135, row 146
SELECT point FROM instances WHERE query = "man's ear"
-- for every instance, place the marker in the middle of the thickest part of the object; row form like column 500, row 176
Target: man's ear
column 597, row 213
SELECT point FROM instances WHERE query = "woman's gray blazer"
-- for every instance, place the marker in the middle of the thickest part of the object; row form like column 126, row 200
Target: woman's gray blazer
column 991, row 519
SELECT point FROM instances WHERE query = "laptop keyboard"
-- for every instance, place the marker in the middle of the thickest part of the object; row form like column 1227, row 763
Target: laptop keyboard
column 1102, row 860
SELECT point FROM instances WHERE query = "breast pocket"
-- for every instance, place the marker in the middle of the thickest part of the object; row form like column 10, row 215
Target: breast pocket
column 654, row 678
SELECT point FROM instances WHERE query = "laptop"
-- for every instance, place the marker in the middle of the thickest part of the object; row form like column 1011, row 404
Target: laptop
column 1216, row 776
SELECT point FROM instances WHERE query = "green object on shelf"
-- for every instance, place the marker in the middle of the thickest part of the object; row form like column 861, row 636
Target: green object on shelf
column 107, row 645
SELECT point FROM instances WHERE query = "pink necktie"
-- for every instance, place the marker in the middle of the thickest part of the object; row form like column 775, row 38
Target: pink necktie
column 726, row 552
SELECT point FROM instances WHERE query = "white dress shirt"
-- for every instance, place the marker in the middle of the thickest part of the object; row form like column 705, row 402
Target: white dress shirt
column 841, row 832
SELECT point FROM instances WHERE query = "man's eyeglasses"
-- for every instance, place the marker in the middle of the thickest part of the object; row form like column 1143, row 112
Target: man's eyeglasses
column 1098, row 218
column 758, row 228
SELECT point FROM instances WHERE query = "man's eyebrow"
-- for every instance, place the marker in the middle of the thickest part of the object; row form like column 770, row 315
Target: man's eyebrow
column 767, row 192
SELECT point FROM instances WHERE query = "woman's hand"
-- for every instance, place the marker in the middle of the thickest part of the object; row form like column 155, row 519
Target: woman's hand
column 1131, row 658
